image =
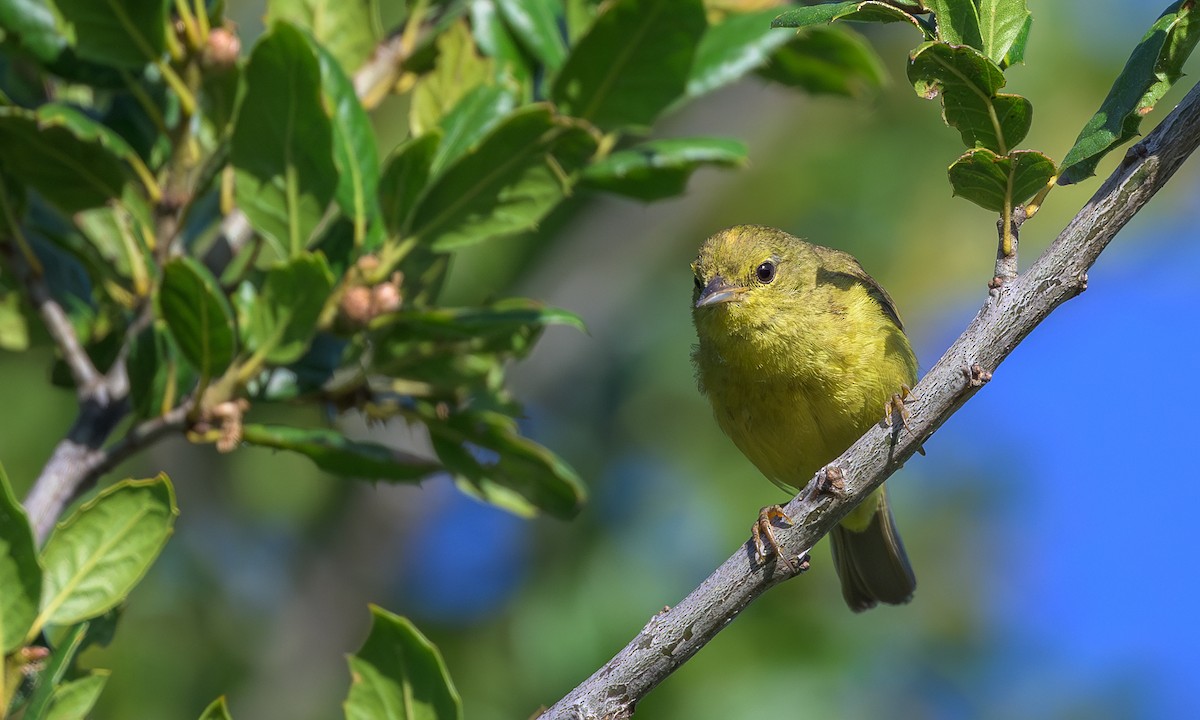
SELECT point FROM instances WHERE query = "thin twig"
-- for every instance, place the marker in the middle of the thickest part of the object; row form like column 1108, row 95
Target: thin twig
column 1007, row 317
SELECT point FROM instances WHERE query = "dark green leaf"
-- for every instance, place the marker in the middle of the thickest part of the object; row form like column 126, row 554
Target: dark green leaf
column 283, row 141
column 633, row 62
column 495, row 39
column 459, row 70
column 505, row 326
column 661, row 168
column 987, row 179
column 518, row 463
column 1016, row 53
column 536, row 24
column 957, row 22
column 95, row 557
column 355, row 152
column 1001, row 24
column 404, row 176
column 73, row 172
column 878, row 12
column 73, row 700
column 343, row 28
column 61, row 660
column 399, row 675
column 469, row 121
column 198, row 315
column 732, row 48
column 20, row 574
column 31, row 23
column 335, row 453
column 123, row 33
column 1155, row 65
column 832, row 60
column 968, row 83
column 216, row 710
column 157, row 375
column 516, row 175
column 283, row 317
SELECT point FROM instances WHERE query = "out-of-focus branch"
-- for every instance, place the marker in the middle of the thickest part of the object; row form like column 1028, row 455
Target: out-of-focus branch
column 1011, row 312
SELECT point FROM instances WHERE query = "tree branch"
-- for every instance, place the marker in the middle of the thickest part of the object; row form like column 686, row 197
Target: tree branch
column 1010, row 313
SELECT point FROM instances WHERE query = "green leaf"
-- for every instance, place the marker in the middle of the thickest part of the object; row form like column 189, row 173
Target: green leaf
column 987, row 179
column 399, row 675
column 32, row 24
column 1016, row 53
column 957, row 22
column 516, row 175
column 729, row 50
column 283, row 318
column 157, row 375
column 496, row 41
column 95, row 557
column 20, row 574
column 866, row 12
column 122, row 33
column 1155, row 65
column 73, row 640
column 968, row 83
column 459, row 69
column 335, row 453
column 404, row 176
column 632, row 63
column 217, row 710
column 282, row 146
column 506, row 325
column 14, row 329
column 518, row 463
column 536, row 24
column 74, row 700
column 198, row 315
column 73, row 172
column 1001, row 24
column 661, row 168
column 475, row 115
column 831, row 60
column 355, row 151
column 344, row 28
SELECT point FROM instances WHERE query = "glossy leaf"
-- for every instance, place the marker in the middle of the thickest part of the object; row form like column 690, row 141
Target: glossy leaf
column 632, row 63
column 661, row 168
column 867, row 12
column 399, row 675
column 344, row 28
column 216, row 710
column 475, row 115
column 1155, row 65
column 355, row 151
column 459, row 69
column 283, row 317
column 405, row 175
column 1016, row 53
column 282, row 147
column 31, row 23
column 95, row 557
column 830, row 60
column 990, row 180
column 728, row 50
column 516, row 175
column 967, row 83
column 123, row 33
column 74, row 700
column 507, row 325
column 198, row 315
column 72, row 172
column 536, row 23
column 70, row 644
column 20, row 574
column 335, row 453
column 496, row 40
column 1001, row 24
column 957, row 22
column 515, row 462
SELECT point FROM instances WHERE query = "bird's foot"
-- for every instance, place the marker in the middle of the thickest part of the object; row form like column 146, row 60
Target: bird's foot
column 766, row 545
column 896, row 406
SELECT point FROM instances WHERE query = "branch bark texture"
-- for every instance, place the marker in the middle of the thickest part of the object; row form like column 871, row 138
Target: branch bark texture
column 1011, row 312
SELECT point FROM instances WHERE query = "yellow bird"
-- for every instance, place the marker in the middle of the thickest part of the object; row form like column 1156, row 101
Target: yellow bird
column 800, row 352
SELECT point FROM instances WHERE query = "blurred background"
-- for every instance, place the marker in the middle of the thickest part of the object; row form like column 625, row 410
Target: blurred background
column 1049, row 524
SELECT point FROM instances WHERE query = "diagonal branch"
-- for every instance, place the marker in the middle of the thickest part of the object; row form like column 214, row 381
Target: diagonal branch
column 1010, row 313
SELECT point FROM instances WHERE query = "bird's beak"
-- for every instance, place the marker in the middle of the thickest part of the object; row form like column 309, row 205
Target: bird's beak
column 719, row 291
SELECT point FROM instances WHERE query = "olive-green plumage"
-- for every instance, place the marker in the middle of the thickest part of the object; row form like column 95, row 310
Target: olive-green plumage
column 800, row 353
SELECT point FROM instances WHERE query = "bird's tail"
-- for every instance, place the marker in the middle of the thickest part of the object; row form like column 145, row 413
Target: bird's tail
column 871, row 561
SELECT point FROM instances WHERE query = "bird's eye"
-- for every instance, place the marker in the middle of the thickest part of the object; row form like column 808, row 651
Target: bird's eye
column 765, row 272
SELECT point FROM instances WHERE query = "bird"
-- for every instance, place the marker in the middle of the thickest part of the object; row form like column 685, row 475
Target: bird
column 799, row 352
